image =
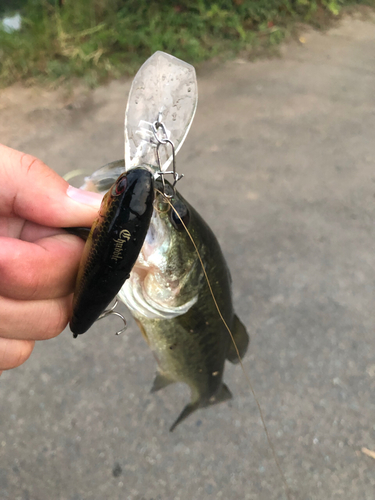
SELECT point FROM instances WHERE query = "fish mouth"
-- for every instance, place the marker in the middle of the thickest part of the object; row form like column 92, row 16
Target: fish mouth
column 134, row 295
column 146, row 296
column 155, row 246
column 151, row 291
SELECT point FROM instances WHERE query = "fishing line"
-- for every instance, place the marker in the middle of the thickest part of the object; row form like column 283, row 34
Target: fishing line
column 286, row 487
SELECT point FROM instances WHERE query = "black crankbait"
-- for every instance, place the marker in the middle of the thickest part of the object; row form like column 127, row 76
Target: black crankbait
column 112, row 247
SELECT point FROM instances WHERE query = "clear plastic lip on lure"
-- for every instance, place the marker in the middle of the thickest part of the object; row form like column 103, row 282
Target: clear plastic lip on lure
column 165, row 92
column 164, row 95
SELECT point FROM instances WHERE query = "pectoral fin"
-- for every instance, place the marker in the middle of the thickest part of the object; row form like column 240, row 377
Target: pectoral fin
column 160, row 382
column 241, row 338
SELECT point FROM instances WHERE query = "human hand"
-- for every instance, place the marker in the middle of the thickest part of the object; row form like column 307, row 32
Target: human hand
column 38, row 261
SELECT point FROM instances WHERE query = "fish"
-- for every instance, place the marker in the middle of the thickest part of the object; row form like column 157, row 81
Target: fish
column 113, row 244
column 168, row 295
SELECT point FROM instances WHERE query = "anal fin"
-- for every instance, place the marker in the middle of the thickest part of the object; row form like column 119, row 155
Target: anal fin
column 160, row 382
column 241, row 338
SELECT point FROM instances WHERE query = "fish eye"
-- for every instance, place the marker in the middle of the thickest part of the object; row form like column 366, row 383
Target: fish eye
column 119, row 186
column 183, row 215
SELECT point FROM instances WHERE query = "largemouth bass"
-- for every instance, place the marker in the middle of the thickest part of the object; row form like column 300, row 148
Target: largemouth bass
column 170, row 300
column 113, row 245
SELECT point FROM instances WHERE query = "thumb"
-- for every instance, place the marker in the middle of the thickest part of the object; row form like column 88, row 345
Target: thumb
column 31, row 190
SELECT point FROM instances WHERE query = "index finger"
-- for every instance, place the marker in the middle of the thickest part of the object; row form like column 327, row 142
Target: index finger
column 31, row 190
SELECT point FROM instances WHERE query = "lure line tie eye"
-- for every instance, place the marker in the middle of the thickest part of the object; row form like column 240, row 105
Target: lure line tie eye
column 164, row 140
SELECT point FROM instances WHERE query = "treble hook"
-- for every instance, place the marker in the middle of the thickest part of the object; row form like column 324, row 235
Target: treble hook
column 164, row 141
column 110, row 311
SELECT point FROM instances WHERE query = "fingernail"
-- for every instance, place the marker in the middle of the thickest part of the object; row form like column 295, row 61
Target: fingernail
column 85, row 197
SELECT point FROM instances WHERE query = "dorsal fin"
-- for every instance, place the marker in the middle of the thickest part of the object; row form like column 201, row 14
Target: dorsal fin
column 223, row 395
column 241, row 338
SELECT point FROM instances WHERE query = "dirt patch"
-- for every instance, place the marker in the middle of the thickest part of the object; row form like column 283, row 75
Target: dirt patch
column 25, row 110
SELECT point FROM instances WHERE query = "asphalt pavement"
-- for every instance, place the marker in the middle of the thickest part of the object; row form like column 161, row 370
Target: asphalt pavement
column 280, row 161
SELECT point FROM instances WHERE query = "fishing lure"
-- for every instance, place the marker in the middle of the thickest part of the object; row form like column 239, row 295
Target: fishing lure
column 112, row 247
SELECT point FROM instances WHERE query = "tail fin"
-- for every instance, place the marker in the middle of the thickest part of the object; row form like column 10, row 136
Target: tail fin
column 188, row 410
column 223, row 395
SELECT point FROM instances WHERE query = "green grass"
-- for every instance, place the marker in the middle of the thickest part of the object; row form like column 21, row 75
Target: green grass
column 100, row 39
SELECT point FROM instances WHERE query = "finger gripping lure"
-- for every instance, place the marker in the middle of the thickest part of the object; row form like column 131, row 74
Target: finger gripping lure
column 113, row 245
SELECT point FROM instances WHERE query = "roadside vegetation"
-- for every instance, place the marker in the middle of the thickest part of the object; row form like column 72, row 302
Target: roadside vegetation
column 101, row 39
